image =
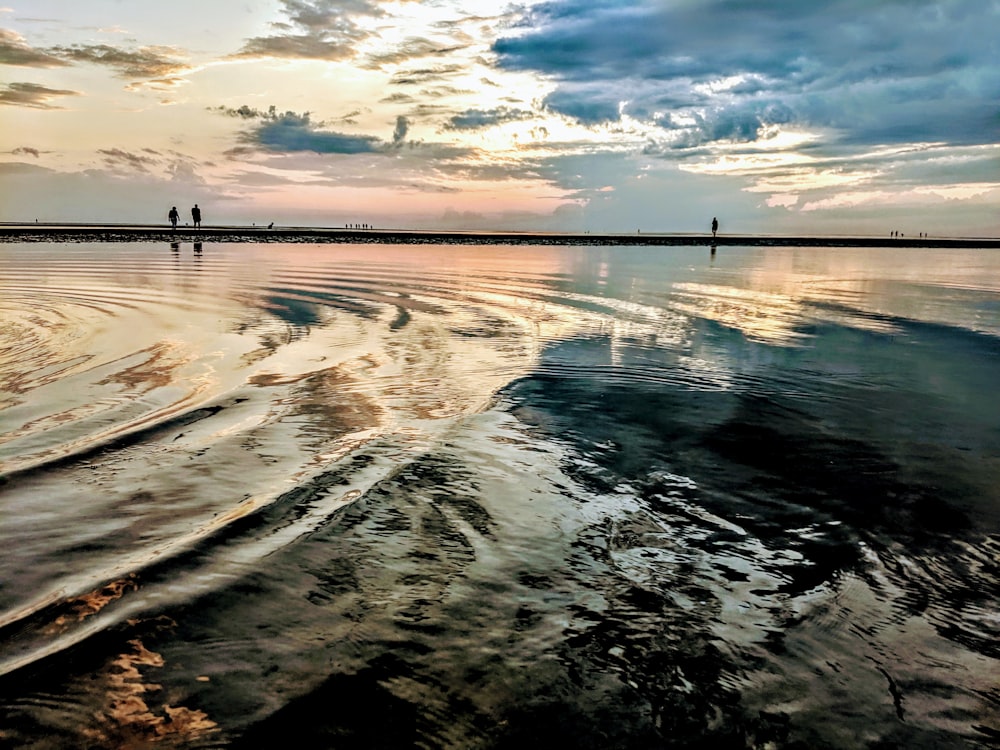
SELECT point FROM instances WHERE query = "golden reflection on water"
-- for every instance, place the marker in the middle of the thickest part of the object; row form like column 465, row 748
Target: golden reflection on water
column 766, row 317
column 134, row 712
column 90, row 604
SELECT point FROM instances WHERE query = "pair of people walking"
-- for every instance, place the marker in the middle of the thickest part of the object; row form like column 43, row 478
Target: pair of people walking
column 175, row 217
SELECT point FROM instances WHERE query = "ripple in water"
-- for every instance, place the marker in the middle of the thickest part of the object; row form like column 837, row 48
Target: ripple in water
column 493, row 496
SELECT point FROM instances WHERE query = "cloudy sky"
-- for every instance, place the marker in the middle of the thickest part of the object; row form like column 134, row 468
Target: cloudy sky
column 778, row 116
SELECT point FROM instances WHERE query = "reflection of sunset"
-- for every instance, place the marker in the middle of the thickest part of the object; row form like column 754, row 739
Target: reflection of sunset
column 135, row 711
column 250, row 487
column 766, row 317
column 90, row 604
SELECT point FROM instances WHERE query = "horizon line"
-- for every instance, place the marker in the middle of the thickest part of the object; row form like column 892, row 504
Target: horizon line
column 128, row 231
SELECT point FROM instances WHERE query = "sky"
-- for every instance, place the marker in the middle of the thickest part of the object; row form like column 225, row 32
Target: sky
column 776, row 116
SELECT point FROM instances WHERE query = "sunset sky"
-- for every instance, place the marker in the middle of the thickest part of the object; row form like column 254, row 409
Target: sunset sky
column 839, row 116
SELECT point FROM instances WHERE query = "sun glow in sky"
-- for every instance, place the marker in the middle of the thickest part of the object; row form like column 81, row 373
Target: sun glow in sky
column 560, row 115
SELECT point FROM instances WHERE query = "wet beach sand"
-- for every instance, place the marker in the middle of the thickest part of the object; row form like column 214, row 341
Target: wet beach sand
column 11, row 232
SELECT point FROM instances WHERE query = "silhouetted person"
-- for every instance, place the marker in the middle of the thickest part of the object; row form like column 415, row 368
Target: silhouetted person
column 271, row 225
column 715, row 226
column 196, row 216
column 174, row 217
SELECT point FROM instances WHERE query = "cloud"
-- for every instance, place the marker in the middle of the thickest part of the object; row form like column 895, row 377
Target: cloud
column 474, row 119
column 893, row 71
column 411, row 49
column 302, row 46
column 146, row 62
column 14, row 50
column 292, row 142
column 22, row 168
column 32, row 95
column 247, row 113
column 158, row 84
column 315, row 30
column 116, row 158
column 400, row 131
column 586, row 104
column 397, row 98
column 26, row 150
column 421, row 76
column 290, row 131
column 743, row 122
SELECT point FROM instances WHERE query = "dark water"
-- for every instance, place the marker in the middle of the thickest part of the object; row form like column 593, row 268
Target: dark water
column 494, row 497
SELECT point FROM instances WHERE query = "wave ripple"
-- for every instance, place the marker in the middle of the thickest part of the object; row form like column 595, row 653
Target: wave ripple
column 490, row 496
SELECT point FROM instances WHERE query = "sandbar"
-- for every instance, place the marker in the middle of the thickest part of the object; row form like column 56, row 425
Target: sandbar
column 78, row 232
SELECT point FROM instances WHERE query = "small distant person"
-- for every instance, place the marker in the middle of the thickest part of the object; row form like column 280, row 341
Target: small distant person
column 271, row 225
column 196, row 216
column 174, row 217
column 715, row 225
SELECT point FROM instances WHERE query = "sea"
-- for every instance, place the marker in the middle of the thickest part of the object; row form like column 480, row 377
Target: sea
column 306, row 495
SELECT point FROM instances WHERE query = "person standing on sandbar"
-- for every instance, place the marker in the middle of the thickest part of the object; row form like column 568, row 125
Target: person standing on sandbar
column 196, row 216
column 715, row 225
column 174, row 217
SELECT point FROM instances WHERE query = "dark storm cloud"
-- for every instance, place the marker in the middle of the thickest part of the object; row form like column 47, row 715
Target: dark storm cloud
column 31, row 95
column 14, row 50
column 892, row 71
column 315, row 30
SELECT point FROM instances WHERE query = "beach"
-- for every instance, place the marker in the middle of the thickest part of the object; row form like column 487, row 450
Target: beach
column 482, row 490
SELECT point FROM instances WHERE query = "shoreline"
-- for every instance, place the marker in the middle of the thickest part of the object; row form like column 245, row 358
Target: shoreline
column 49, row 232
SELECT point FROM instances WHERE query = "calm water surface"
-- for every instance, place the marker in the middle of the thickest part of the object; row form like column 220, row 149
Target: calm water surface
column 498, row 497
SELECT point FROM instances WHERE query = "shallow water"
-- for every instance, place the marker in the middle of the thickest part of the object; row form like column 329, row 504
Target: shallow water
column 432, row 496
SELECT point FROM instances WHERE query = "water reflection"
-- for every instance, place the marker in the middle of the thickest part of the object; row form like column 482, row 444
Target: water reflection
column 609, row 497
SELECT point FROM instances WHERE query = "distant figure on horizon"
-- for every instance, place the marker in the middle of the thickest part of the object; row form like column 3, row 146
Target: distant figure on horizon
column 271, row 225
column 715, row 225
column 196, row 216
column 174, row 217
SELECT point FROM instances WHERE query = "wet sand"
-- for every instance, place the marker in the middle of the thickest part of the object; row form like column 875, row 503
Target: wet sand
column 50, row 232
